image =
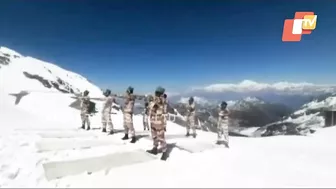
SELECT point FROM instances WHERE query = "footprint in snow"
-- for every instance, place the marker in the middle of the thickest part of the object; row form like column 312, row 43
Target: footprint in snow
column 13, row 174
column 24, row 144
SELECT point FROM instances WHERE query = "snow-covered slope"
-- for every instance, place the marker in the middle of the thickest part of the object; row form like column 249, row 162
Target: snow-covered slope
column 311, row 114
column 30, row 74
column 309, row 160
column 42, row 130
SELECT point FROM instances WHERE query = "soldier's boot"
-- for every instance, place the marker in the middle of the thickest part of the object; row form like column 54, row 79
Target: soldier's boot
column 219, row 142
column 194, row 135
column 125, row 137
column 133, row 139
column 104, row 130
column 164, row 156
column 153, row 151
column 83, row 126
column 188, row 134
column 88, row 128
column 111, row 132
column 226, row 144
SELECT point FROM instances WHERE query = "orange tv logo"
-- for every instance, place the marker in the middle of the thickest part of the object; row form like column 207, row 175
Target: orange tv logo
column 303, row 23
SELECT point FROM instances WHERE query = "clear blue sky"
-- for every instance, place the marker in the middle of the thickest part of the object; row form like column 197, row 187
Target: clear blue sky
column 173, row 43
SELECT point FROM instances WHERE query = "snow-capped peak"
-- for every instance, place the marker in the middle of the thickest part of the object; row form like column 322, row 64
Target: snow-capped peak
column 328, row 102
column 246, row 103
column 253, row 100
column 10, row 52
column 20, row 73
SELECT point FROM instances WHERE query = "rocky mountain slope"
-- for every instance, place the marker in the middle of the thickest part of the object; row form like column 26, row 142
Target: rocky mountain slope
column 303, row 121
column 248, row 112
column 293, row 95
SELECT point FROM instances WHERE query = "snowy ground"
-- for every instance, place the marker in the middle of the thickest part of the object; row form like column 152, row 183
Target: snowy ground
column 45, row 119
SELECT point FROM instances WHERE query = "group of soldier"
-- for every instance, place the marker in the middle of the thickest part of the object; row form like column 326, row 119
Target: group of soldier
column 154, row 117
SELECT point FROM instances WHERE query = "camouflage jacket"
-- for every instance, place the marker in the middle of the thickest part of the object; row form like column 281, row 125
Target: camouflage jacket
column 147, row 109
column 129, row 103
column 223, row 116
column 157, row 111
column 191, row 109
column 85, row 103
column 165, row 106
column 107, row 106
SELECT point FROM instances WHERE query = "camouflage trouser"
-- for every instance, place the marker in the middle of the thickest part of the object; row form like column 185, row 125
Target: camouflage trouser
column 158, row 132
column 223, row 132
column 85, row 118
column 145, row 121
column 191, row 124
column 158, row 136
column 128, row 124
column 165, row 121
column 106, row 120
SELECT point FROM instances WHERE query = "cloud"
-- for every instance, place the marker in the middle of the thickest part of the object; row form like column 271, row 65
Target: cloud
column 252, row 86
column 199, row 100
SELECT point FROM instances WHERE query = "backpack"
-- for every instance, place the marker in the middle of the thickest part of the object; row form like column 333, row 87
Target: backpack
column 92, row 108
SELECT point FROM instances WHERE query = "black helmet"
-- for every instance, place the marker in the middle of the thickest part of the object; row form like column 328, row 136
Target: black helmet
column 159, row 91
column 86, row 92
column 223, row 104
column 107, row 92
column 130, row 90
column 191, row 99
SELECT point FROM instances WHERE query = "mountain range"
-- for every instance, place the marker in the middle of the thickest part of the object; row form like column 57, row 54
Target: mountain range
column 293, row 95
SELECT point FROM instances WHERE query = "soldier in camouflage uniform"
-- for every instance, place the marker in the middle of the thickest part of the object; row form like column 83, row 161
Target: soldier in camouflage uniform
column 158, row 124
column 106, row 112
column 223, row 125
column 85, row 103
column 165, row 110
column 128, row 115
column 145, row 117
column 146, row 112
column 191, row 117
